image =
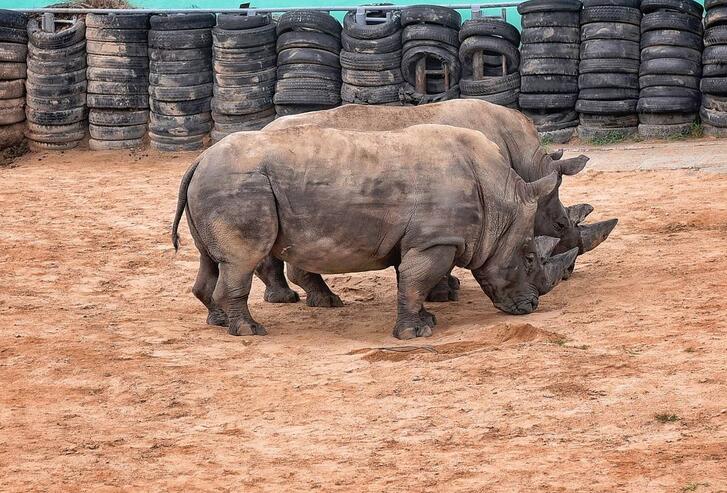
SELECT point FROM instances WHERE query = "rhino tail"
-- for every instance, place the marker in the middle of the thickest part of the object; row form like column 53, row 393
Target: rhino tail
column 182, row 202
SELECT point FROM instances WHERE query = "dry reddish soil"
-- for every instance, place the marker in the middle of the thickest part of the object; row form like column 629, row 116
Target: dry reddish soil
column 110, row 380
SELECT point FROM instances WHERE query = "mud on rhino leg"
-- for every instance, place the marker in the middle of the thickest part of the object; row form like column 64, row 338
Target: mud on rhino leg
column 203, row 288
column 317, row 291
column 232, row 292
column 270, row 271
column 418, row 272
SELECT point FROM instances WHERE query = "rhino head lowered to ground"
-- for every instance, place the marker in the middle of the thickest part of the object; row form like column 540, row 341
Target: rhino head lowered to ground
column 516, row 139
column 420, row 199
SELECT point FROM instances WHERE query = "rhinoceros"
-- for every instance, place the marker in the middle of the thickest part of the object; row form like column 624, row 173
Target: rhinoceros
column 517, row 140
column 420, row 199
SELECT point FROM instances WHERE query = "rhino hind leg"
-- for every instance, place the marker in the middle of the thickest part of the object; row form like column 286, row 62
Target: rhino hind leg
column 203, row 288
column 270, row 271
column 318, row 294
column 417, row 273
column 232, row 292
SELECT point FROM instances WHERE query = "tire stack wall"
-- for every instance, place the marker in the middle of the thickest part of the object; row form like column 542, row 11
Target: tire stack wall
column 56, row 86
column 309, row 70
column 549, row 58
column 13, row 53
column 244, row 59
column 433, row 32
column 608, row 80
column 180, row 80
column 371, row 61
column 713, row 110
column 118, row 80
column 495, row 39
column 671, row 45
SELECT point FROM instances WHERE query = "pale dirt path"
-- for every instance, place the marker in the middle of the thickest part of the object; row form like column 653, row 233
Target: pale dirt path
column 110, row 381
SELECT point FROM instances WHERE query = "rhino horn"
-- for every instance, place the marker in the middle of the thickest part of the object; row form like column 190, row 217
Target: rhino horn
column 555, row 155
column 557, row 268
column 594, row 234
column 577, row 213
column 544, row 245
column 570, row 166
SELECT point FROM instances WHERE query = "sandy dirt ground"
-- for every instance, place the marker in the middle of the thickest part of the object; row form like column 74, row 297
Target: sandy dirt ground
column 111, row 381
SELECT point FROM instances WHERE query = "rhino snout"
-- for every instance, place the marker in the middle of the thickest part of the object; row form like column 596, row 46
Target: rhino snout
column 518, row 307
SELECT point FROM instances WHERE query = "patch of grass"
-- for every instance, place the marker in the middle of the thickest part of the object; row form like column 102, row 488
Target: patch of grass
column 693, row 486
column 546, row 141
column 697, row 130
column 608, row 138
column 666, row 417
column 560, row 341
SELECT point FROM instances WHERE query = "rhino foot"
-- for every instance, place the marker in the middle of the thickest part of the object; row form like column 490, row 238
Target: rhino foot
column 427, row 317
column 323, row 300
column 281, row 295
column 217, row 317
column 409, row 329
column 245, row 328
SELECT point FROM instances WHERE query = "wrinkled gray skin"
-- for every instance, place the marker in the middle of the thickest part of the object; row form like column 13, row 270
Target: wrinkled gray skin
column 516, row 139
column 420, row 199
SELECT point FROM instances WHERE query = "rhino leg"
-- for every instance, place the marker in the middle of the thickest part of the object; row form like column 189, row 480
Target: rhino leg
column 317, row 291
column 417, row 273
column 232, row 292
column 203, row 288
column 270, row 271
column 447, row 289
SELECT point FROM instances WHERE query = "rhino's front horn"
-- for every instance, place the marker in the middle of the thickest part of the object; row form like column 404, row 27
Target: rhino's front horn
column 593, row 235
column 577, row 213
column 555, row 155
column 556, row 268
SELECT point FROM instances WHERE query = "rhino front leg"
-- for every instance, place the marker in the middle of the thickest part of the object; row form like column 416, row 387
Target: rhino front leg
column 204, row 287
column 270, row 271
column 417, row 273
column 317, row 291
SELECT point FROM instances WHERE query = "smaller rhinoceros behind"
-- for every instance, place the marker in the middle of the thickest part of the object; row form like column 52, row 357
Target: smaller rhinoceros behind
column 420, row 199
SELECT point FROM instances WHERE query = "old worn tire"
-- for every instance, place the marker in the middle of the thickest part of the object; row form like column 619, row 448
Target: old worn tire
column 244, row 80
column 114, row 145
column 671, row 20
column 306, row 20
column 58, row 117
column 100, row 87
column 671, row 37
column 180, row 67
column 669, row 80
column 127, row 132
column 381, row 45
column 608, row 93
column 593, row 81
column 556, row 18
column 247, row 38
column 489, row 85
column 550, row 50
column 594, row 133
column 12, row 70
column 551, row 35
column 180, row 126
column 714, row 85
column 548, row 84
column 595, row 106
column 174, row 80
column 673, row 66
column 13, row 35
column 610, row 30
column 117, row 117
column 174, row 22
column 180, row 93
column 609, row 65
column 430, row 32
column 242, row 106
column 365, row 61
column 242, row 22
column 610, row 48
column 115, row 101
column 319, row 41
column 12, row 89
column 308, row 55
column 52, row 147
column 669, row 91
column 308, row 70
column 117, row 62
column 180, row 108
column 136, row 75
column 159, row 55
column 487, row 26
column 117, row 35
column 13, row 52
column 549, row 66
column 686, row 6
column 370, row 95
column 666, row 118
column 59, row 39
column 609, row 13
column 667, row 51
column 431, row 14
column 664, row 131
column 548, row 100
column 472, row 45
column 667, row 105
column 370, row 31
column 180, row 40
column 60, row 91
column 117, row 21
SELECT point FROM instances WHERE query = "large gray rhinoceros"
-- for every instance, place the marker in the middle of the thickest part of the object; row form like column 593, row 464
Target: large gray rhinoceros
column 420, row 199
column 517, row 140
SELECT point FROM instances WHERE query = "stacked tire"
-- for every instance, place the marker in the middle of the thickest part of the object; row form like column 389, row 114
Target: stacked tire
column 56, row 86
column 309, row 71
column 431, row 33
column 714, row 69
column 371, row 59
column 244, row 59
column 180, row 81
column 13, row 52
column 608, row 83
column 671, row 46
column 118, row 80
column 549, row 66
column 495, row 40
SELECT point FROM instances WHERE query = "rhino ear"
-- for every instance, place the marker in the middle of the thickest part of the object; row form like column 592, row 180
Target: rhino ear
column 556, row 155
column 570, row 166
column 532, row 192
column 544, row 246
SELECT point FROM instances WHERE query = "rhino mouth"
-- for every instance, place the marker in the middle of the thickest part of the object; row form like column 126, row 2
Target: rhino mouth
column 520, row 306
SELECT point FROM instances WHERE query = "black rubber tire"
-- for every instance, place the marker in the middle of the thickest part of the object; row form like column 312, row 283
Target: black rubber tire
column 716, row 35
column 550, row 50
column 548, row 84
column 490, row 45
column 60, row 91
column 114, row 145
column 58, row 117
column 175, row 22
column 548, row 100
column 431, row 14
column 411, row 56
column 438, row 47
column 308, row 70
column 307, row 56
column 180, row 67
column 263, row 90
column 117, row 21
column 117, row 49
column 714, row 85
column 117, row 35
column 667, row 105
column 60, row 39
column 12, row 70
column 54, row 55
column 716, row 16
column 13, row 35
column 244, row 80
column 308, row 97
column 11, row 116
column 551, row 35
column 381, row 45
column 609, row 48
column 669, row 80
column 56, row 79
column 664, row 131
column 670, row 92
column 667, row 118
column 714, row 102
column 551, row 19
column 610, row 30
column 671, row 20
column 258, row 36
column 177, row 144
column 117, row 101
column 181, row 39
column 671, row 37
column 550, row 117
column 487, row 26
column 244, row 54
column 674, row 66
column 686, row 6
column 100, row 87
column 242, row 22
column 48, row 147
column 56, row 134
column 608, row 93
column 231, row 67
column 103, row 74
column 15, row 20
column 632, row 4
column 609, row 120
column 180, row 93
column 118, row 118
column 593, row 133
column 504, row 98
column 370, row 31
column 241, row 107
column 363, row 61
column 601, row 107
column 13, row 52
column 365, row 78
column 714, row 54
column 549, row 66
column 307, row 20
column 224, row 120
column 117, row 62
column 714, row 70
column 431, row 32
column 12, row 135
column 623, row 15
column 180, row 108
column 55, row 103
column 609, row 65
column 666, row 51
column 319, row 41
column 489, row 85
column 174, row 80
column 548, row 5
column 595, row 81
column 180, row 126
column 12, row 89
column 179, row 55
column 128, row 132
